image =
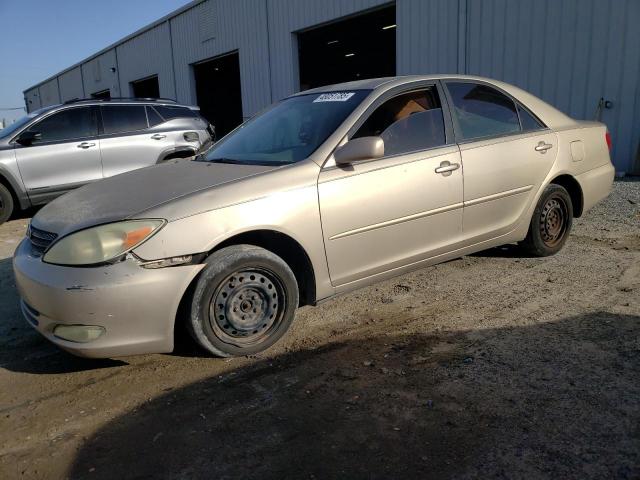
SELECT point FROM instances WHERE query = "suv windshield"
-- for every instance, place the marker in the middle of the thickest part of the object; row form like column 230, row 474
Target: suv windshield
column 18, row 124
column 288, row 132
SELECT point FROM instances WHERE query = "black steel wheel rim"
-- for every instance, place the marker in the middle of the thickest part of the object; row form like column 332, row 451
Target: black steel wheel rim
column 247, row 307
column 553, row 221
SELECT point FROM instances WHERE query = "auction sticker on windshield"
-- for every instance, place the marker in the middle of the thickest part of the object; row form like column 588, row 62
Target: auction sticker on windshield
column 334, row 97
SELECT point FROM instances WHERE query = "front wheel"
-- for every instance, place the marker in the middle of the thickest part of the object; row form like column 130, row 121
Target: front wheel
column 551, row 222
column 244, row 302
column 6, row 204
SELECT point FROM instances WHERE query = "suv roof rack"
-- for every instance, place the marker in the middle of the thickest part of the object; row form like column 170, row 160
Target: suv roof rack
column 131, row 99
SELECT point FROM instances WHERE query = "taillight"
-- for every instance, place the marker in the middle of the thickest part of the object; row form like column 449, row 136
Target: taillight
column 607, row 137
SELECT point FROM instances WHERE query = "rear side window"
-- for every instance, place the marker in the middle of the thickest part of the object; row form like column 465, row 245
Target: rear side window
column 169, row 113
column 482, row 111
column 409, row 122
column 123, row 118
column 153, row 117
column 69, row 124
column 528, row 121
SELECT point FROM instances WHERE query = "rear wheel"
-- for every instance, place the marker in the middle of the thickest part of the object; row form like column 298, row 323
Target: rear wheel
column 244, row 301
column 6, row 204
column 551, row 222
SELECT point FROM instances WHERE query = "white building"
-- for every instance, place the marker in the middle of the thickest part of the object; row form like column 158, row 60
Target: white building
column 234, row 57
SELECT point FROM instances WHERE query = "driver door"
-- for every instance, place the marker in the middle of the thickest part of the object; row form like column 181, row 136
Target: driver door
column 64, row 154
column 384, row 214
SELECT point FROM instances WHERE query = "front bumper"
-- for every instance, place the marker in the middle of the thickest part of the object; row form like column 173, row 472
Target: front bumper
column 136, row 306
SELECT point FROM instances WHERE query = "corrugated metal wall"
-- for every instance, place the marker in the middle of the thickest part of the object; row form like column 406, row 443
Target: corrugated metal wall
column 287, row 16
column 569, row 52
column 147, row 54
column 97, row 74
column 49, row 94
column 215, row 28
column 71, row 85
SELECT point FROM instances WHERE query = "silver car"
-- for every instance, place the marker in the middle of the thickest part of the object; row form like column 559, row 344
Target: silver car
column 325, row 192
column 61, row 147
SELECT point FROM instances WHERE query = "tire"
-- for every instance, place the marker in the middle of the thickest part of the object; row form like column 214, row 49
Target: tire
column 244, row 301
column 550, row 224
column 6, row 204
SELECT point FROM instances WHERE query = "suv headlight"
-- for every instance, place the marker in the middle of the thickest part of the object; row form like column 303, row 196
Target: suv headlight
column 101, row 244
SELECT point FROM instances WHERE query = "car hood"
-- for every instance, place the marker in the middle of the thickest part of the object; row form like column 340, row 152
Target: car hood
column 123, row 196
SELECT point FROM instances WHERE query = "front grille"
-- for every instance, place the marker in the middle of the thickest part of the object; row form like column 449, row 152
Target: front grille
column 40, row 240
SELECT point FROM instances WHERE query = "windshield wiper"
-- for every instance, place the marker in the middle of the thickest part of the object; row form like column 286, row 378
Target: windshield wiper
column 226, row 160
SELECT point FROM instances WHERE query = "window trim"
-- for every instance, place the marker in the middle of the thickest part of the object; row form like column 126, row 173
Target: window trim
column 124, row 133
column 388, row 95
column 456, row 127
column 38, row 120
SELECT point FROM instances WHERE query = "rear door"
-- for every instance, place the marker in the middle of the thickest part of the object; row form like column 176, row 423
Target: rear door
column 125, row 142
column 64, row 155
column 506, row 155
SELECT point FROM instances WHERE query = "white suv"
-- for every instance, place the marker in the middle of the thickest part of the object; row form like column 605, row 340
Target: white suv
column 59, row 148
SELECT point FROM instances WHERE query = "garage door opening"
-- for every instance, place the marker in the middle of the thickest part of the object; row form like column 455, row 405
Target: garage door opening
column 359, row 47
column 218, row 92
column 146, row 88
column 102, row 94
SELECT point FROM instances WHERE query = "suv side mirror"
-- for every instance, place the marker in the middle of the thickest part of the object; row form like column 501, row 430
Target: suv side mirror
column 28, row 137
column 363, row 148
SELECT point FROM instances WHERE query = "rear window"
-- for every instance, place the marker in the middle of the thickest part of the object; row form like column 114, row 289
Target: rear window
column 482, row 111
column 153, row 117
column 123, row 118
column 169, row 113
column 528, row 121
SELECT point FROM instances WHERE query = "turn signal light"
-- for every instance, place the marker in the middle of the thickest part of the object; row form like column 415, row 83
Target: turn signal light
column 607, row 137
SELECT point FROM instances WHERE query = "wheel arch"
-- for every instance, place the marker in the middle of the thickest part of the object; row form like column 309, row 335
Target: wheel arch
column 18, row 202
column 571, row 185
column 287, row 248
column 175, row 153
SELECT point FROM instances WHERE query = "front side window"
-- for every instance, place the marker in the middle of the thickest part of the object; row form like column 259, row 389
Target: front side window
column 69, row 124
column 123, row 118
column 288, row 132
column 482, row 111
column 409, row 122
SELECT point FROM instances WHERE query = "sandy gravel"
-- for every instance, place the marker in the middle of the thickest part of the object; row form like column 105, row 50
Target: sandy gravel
column 490, row 366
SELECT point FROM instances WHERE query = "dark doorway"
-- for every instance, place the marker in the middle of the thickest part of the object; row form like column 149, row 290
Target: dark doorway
column 359, row 47
column 102, row 94
column 146, row 88
column 218, row 92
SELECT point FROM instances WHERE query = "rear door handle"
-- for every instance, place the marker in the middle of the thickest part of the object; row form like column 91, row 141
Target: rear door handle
column 446, row 168
column 86, row 145
column 158, row 136
column 543, row 147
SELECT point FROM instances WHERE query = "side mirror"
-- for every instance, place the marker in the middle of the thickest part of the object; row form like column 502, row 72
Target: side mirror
column 28, row 137
column 363, row 148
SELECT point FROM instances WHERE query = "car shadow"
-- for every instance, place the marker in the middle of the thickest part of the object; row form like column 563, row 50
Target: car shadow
column 22, row 349
column 548, row 400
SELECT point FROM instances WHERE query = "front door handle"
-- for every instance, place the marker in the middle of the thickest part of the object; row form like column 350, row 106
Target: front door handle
column 446, row 168
column 543, row 147
column 86, row 145
column 158, row 136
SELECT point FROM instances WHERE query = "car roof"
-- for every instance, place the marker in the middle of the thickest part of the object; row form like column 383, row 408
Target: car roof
column 165, row 102
column 551, row 116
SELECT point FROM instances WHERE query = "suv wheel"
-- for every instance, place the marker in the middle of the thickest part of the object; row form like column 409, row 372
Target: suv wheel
column 244, row 302
column 6, row 204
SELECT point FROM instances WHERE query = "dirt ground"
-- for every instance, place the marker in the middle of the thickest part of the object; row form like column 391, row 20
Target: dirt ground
column 490, row 366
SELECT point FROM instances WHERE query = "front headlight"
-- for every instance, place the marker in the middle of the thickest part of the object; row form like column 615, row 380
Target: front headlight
column 101, row 244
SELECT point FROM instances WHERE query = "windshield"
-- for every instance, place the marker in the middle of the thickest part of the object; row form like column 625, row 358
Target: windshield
column 289, row 132
column 18, row 124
